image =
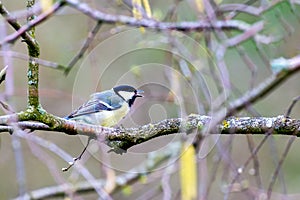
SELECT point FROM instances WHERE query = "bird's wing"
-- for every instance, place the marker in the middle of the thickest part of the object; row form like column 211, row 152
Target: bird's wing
column 96, row 104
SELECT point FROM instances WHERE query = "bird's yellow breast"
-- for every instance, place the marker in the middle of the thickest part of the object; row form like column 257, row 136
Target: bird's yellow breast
column 111, row 118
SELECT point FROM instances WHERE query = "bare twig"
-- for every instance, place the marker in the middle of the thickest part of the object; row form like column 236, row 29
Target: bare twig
column 26, row 37
column 288, row 112
column 237, row 174
column 181, row 26
column 278, row 167
column 264, row 88
column 65, row 156
column 131, row 21
column 251, row 32
column 22, row 56
column 39, row 19
column 241, row 8
column 235, row 9
column 85, row 46
column 78, row 157
column 20, row 165
column 251, row 145
column 154, row 160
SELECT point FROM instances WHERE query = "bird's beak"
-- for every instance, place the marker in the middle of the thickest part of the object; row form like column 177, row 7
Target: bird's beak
column 139, row 93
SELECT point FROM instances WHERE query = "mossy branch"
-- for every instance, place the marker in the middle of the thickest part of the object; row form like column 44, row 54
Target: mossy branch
column 33, row 67
column 121, row 139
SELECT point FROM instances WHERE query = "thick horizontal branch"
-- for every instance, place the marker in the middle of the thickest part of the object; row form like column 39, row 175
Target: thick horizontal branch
column 120, row 139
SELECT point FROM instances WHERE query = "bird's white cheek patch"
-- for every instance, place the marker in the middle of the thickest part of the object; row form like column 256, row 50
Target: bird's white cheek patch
column 126, row 95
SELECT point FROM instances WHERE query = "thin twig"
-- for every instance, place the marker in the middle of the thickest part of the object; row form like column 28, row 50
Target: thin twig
column 237, row 174
column 130, row 21
column 255, row 161
column 22, row 56
column 181, row 26
column 251, row 10
column 85, row 47
column 78, row 157
column 26, row 37
column 278, row 168
column 65, row 156
column 154, row 160
column 39, row 19
column 235, row 9
column 264, row 88
column 20, row 164
column 288, row 112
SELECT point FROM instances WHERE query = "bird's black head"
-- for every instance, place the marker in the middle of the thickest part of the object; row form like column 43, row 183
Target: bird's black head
column 128, row 93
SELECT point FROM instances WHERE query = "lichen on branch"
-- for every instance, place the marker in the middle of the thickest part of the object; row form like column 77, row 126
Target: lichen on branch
column 33, row 67
column 121, row 139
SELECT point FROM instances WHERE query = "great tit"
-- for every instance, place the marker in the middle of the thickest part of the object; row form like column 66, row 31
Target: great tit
column 107, row 108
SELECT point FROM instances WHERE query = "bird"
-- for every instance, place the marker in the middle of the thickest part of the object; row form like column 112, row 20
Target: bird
column 107, row 108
